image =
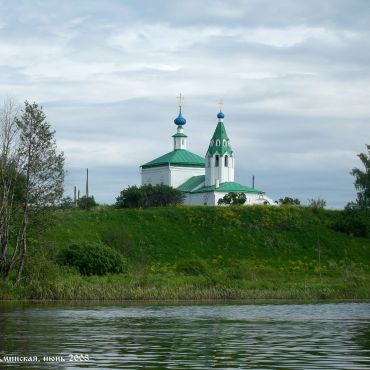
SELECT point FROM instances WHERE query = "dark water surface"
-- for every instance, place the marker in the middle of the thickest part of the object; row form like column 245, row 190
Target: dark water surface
column 266, row 336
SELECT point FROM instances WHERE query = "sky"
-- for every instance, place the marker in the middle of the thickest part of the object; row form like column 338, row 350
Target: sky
column 294, row 77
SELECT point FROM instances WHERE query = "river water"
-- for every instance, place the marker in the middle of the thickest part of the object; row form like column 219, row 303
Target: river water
column 222, row 336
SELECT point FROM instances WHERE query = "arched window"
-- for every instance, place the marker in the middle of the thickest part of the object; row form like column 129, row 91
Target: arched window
column 224, row 142
column 226, row 161
column 212, row 142
column 217, row 161
column 182, row 141
column 218, row 142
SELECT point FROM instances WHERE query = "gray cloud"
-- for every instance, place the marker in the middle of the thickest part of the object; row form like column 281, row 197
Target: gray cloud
column 294, row 77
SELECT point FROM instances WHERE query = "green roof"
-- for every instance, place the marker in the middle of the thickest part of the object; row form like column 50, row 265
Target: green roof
column 179, row 134
column 178, row 157
column 191, row 184
column 220, row 137
column 227, row 187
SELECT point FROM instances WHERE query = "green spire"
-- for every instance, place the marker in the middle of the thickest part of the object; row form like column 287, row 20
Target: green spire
column 220, row 141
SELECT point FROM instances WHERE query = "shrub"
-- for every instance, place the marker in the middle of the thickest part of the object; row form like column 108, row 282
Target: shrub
column 316, row 204
column 353, row 221
column 289, row 201
column 233, row 199
column 91, row 258
column 192, row 266
column 66, row 203
column 149, row 196
column 87, row 202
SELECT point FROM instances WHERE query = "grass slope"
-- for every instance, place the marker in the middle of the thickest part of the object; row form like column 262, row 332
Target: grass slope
column 202, row 253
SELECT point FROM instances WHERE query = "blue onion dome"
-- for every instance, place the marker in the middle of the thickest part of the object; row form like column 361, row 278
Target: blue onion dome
column 220, row 115
column 180, row 120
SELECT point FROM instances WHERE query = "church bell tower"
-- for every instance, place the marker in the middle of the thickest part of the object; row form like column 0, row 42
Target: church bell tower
column 219, row 159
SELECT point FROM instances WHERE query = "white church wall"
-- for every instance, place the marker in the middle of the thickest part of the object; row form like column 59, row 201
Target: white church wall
column 156, row 176
column 169, row 175
column 200, row 199
column 181, row 174
column 252, row 198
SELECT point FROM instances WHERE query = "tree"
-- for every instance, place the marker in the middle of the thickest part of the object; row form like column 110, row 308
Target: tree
column 232, row 199
column 362, row 181
column 290, row 201
column 149, row 196
column 66, row 203
column 87, row 202
column 29, row 150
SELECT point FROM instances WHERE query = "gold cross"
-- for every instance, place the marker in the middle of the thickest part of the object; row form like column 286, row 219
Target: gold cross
column 221, row 103
column 180, row 99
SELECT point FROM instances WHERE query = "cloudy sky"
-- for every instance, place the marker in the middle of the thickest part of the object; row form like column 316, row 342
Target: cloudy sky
column 294, row 76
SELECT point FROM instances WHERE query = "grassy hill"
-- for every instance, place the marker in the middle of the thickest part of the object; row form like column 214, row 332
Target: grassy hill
column 201, row 253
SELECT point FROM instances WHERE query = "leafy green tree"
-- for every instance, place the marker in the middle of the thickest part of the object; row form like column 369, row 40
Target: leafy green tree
column 66, row 203
column 149, row 196
column 353, row 220
column 232, row 199
column 289, row 201
column 87, row 202
column 29, row 153
column 362, row 180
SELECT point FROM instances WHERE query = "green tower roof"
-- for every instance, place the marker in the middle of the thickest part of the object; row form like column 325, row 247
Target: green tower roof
column 220, row 141
column 178, row 157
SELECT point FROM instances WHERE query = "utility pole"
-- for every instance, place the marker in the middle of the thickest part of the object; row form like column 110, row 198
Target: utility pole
column 75, row 197
column 87, row 182
column 253, row 182
column 78, row 195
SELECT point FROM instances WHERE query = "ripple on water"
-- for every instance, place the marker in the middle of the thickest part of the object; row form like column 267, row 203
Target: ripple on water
column 314, row 336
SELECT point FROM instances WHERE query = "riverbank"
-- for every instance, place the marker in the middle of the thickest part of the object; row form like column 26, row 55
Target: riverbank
column 199, row 253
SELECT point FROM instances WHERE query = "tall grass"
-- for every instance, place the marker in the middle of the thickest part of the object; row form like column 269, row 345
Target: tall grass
column 201, row 253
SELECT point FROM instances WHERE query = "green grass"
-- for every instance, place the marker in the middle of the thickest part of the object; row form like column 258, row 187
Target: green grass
column 202, row 253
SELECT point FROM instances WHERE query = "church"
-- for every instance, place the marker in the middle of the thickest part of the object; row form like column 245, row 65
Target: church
column 203, row 180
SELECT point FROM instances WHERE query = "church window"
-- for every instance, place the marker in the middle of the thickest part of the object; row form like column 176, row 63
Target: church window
column 224, row 142
column 217, row 161
column 212, row 142
column 182, row 141
column 226, row 161
column 217, row 142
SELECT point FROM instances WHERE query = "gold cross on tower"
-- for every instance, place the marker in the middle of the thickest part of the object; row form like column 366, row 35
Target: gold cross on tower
column 221, row 104
column 180, row 99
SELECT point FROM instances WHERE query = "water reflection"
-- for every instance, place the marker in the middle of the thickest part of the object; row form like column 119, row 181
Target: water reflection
column 315, row 336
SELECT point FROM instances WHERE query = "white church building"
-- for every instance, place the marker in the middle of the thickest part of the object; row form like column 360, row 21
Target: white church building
column 204, row 180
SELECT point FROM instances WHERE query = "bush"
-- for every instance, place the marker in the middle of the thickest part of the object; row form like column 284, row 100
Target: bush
column 66, row 203
column 91, row 258
column 87, row 202
column 316, row 205
column 149, row 196
column 233, row 199
column 353, row 221
column 192, row 266
column 287, row 201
